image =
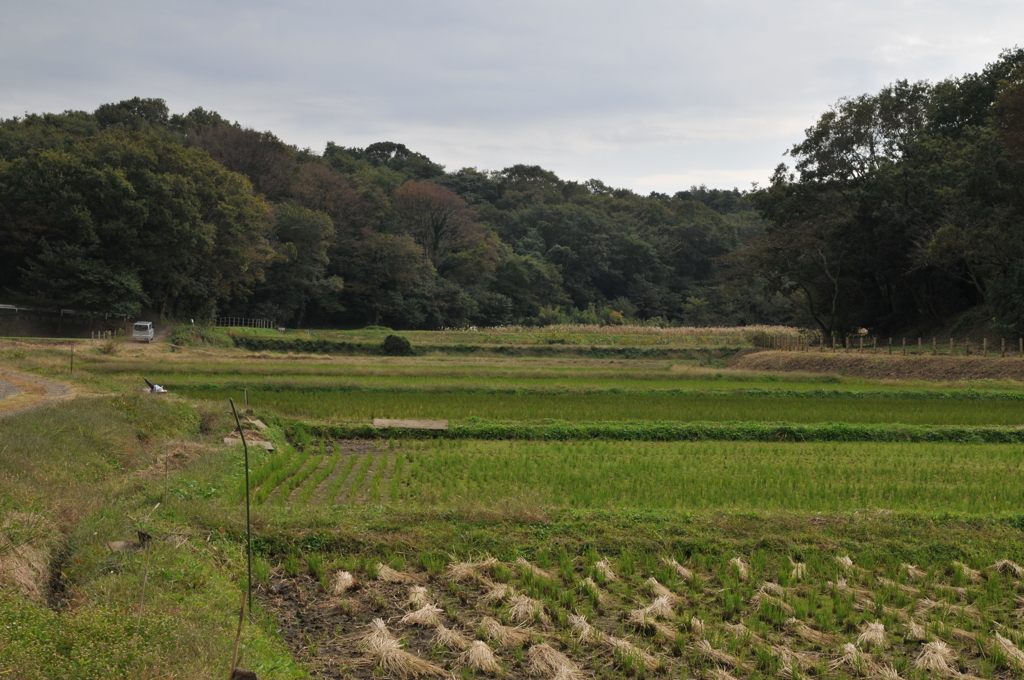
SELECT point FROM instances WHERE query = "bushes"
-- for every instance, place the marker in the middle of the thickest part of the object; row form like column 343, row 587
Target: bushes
column 192, row 336
column 396, row 346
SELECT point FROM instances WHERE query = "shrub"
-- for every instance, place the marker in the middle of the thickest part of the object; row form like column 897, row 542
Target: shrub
column 191, row 336
column 396, row 346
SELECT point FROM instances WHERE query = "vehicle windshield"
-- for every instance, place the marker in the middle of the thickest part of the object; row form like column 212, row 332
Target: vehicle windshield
column 142, row 327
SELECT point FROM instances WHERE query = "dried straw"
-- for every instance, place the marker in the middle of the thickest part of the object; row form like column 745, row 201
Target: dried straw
column 660, row 608
column 424, row 616
column 872, row 635
column 851, row 658
column 799, row 570
column 524, row 609
column 379, row 643
column 1008, row 567
column 1019, row 611
column 1013, row 653
column 543, row 659
column 761, row 597
column 581, row 628
column 537, row 571
column 661, row 591
column 389, row 575
column 418, row 597
column 497, row 592
column 378, row 636
column 720, row 656
column 480, row 658
column 963, row 636
column 592, row 585
column 342, row 581
column 972, row 575
column 717, row 673
column 683, row 572
column 915, row 631
column 741, row 632
column 914, row 573
column 892, row 584
column 845, row 562
column 697, row 626
column 464, row 571
column 791, row 659
column 506, row 636
column 742, row 569
column 936, row 657
column 773, row 588
column 627, row 649
column 952, row 590
column 606, row 570
column 452, row 639
column 816, row 637
column 888, row 673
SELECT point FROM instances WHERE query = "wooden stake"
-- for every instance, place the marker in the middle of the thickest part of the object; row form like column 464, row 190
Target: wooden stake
column 248, row 523
column 919, row 346
column 984, row 347
column 935, row 346
column 1002, row 348
column 904, row 347
column 238, row 638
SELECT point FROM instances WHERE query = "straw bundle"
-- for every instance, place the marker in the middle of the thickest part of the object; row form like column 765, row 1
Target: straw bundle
column 717, row 673
column 480, row 658
column 683, row 572
column 742, row 570
column 925, row 605
column 798, row 627
column 537, row 571
column 914, row 573
column 605, row 570
column 739, row 631
column 851, row 659
column 661, row 591
column 389, row 575
column 761, row 597
column 790, row 661
column 378, row 636
column 720, row 656
column 524, row 609
column 464, row 571
column 972, row 575
column 581, row 628
column 888, row 673
column 627, row 650
column 452, row 639
column 342, row 581
column 379, row 643
column 543, row 659
column 424, row 616
column 506, row 636
column 799, row 570
column 1008, row 567
column 892, row 584
column 963, row 636
column 593, row 587
column 845, row 562
column 418, row 597
column 872, row 635
column 1013, row 653
column 952, row 590
column 697, row 626
column 915, row 631
column 936, row 657
column 497, row 592
column 660, row 608
column 773, row 589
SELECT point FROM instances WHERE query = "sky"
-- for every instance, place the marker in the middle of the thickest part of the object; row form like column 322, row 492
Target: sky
column 646, row 95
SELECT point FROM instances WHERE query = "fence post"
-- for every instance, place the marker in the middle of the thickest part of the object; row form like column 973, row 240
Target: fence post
column 967, row 347
column 1002, row 348
column 874, row 344
column 984, row 347
column 935, row 346
column 861, row 344
column 919, row 350
column 890, row 345
column 904, row 347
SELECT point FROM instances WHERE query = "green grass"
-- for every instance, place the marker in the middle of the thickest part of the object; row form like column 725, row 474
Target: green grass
column 595, row 407
column 819, row 477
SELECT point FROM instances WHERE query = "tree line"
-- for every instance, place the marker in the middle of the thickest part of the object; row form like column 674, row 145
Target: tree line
column 903, row 207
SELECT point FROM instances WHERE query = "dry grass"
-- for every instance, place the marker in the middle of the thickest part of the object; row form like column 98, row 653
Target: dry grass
column 741, row 632
column 962, row 636
column 424, row 616
column 537, row 571
column 1008, row 567
column 914, row 573
column 543, row 659
column 661, row 591
column 792, row 661
column 799, row 570
column 1013, row 653
column 915, row 631
column 936, row 657
column 888, row 673
column 910, row 590
column 761, row 597
column 605, row 570
column 497, row 592
column 465, row 571
column 972, row 575
column 627, row 650
column 418, row 597
column 660, row 608
column 480, row 658
column 601, row 597
column 872, row 635
column 845, row 562
column 524, row 609
column 389, row 575
column 582, row 631
column 506, row 636
column 697, row 627
column 851, row 659
column 341, row 582
column 717, row 673
column 381, row 645
column 816, row 637
column 742, row 569
column 683, row 572
column 452, row 639
column 24, row 557
column 720, row 656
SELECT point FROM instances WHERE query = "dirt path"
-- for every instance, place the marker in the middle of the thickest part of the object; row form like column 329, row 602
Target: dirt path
column 19, row 393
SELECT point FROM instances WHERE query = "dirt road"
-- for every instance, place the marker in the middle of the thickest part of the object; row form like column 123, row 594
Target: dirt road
column 19, row 393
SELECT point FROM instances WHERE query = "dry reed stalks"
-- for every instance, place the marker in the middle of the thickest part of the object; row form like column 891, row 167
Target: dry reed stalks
column 380, row 644
column 910, row 590
column 543, row 659
column 452, row 639
column 581, row 628
column 480, row 658
column 342, row 581
column 914, row 572
column 661, row 591
column 972, row 575
column 506, row 636
column 418, row 597
column 605, row 570
column 915, row 631
column 872, row 635
column 524, row 609
column 799, row 570
column 742, row 569
column 816, row 637
column 389, row 575
column 720, row 656
column 1012, row 653
column 1008, row 567
column 683, row 572
column 936, row 657
column 424, row 616
column 537, row 571
column 627, row 650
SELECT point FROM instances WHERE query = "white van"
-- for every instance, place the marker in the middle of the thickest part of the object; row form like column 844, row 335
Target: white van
column 143, row 331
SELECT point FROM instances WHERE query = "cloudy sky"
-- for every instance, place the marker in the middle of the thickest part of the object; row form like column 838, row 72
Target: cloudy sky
column 650, row 95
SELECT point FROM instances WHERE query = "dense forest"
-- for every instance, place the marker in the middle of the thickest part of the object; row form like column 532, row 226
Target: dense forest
column 902, row 207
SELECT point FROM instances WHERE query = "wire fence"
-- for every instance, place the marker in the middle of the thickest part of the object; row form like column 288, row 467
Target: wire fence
column 903, row 346
column 243, row 322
